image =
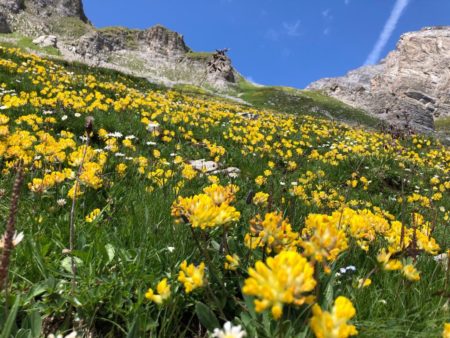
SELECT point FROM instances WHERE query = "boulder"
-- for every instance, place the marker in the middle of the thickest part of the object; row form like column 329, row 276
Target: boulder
column 46, row 41
column 204, row 166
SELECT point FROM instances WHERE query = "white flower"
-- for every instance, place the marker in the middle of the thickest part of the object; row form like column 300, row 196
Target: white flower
column 130, row 137
column 115, row 134
column 151, row 143
column 171, row 248
column 229, row 331
column 17, row 238
column 77, row 114
column 64, row 117
column 119, row 155
column 351, row 267
column 47, row 112
column 443, row 259
column 61, row 202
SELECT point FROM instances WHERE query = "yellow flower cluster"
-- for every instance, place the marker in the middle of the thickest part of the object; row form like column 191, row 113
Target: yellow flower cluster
column 334, row 324
column 93, row 215
column 162, row 292
column 261, row 199
column 191, row 276
column 273, row 233
column 283, row 279
column 207, row 210
column 321, row 239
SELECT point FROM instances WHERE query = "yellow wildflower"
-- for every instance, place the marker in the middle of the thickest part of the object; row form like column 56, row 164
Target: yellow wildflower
column 411, row 273
column 260, row 199
column 446, row 332
column 191, row 276
column 283, row 279
column 232, row 262
column 364, row 282
column 334, row 325
column 321, row 239
column 121, row 169
column 162, row 292
column 93, row 215
column 188, row 172
column 201, row 211
column 274, row 233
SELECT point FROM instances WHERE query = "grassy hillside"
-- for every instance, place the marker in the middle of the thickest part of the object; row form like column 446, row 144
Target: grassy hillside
column 124, row 237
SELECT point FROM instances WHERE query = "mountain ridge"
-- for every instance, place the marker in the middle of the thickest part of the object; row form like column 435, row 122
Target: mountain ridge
column 157, row 53
column 409, row 88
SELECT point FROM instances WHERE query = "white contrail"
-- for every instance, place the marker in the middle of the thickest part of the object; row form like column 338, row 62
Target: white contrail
column 388, row 29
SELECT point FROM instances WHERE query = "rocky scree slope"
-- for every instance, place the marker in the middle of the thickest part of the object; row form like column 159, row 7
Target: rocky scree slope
column 410, row 87
column 157, row 53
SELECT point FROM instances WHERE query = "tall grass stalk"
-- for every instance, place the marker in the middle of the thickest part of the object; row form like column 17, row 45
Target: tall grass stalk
column 10, row 228
column 88, row 130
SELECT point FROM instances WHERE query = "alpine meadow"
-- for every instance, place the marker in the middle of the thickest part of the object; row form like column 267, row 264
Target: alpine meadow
column 135, row 208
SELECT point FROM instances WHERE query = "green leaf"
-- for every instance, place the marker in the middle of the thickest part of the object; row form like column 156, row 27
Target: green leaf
column 111, row 251
column 35, row 324
column 329, row 292
column 66, row 263
column 206, row 317
column 24, row 333
column 7, row 328
column 134, row 330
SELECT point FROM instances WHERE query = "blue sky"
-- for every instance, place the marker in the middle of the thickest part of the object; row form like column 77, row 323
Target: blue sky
column 281, row 42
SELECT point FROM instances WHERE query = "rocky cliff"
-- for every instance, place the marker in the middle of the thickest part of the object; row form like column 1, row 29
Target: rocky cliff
column 156, row 53
column 410, row 87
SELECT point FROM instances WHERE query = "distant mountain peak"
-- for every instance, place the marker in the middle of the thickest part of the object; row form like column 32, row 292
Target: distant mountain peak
column 411, row 86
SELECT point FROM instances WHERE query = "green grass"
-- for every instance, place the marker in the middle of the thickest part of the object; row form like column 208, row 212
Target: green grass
column 199, row 56
column 69, row 27
column 129, row 36
column 26, row 44
column 296, row 101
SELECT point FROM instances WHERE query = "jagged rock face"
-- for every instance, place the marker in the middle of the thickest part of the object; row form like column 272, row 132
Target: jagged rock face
column 411, row 86
column 13, row 6
column 63, row 8
column 225, row 75
column 163, row 41
column 157, row 53
column 94, row 45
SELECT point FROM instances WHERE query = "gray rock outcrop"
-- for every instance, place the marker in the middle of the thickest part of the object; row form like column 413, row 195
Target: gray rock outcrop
column 59, row 8
column 12, row 6
column 4, row 26
column 46, row 41
column 162, row 41
column 409, row 88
